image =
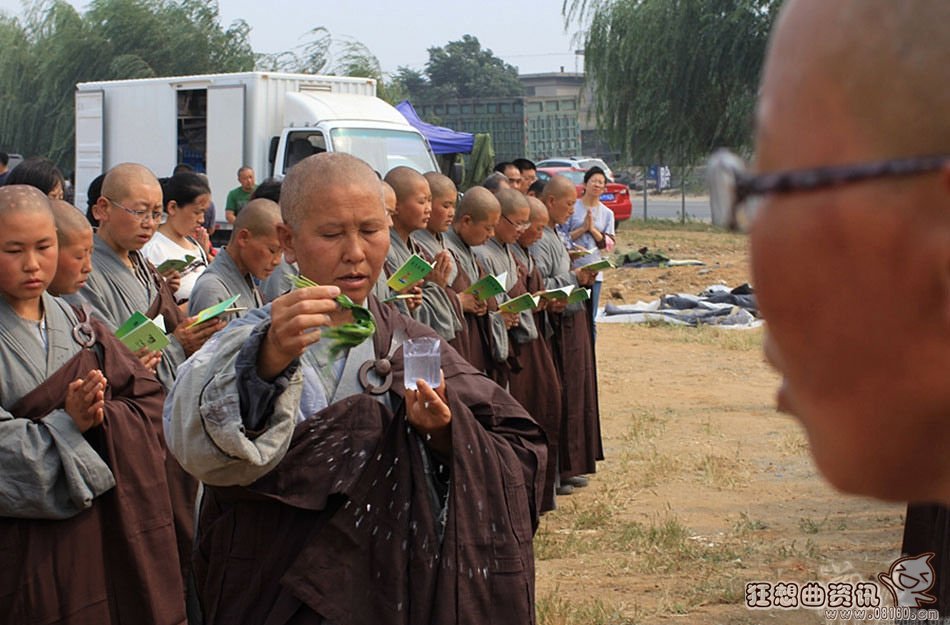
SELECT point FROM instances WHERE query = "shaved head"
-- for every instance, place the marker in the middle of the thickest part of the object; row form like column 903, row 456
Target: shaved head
column 479, row 203
column 17, row 198
column 558, row 186
column 69, row 221
column 440, row 185
column 313, row 176
column 119, row 181
column 842, row 67
column 403, row 181
column 511, row 201
column 259, row 217
column 539, row 212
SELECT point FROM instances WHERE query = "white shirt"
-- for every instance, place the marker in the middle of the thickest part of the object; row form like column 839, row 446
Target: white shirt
column 160, row 248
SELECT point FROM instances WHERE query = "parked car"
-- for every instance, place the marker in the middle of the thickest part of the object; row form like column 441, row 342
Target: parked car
column 578, row 162
column 616, row 196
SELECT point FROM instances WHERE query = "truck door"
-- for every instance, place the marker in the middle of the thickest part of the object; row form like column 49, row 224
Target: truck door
column 89, row 140
column 225, row 147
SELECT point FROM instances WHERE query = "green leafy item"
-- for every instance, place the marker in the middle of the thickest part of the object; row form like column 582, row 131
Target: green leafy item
column 345, row 335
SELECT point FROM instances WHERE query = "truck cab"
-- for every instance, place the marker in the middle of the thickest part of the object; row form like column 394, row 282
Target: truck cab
column 365, row 127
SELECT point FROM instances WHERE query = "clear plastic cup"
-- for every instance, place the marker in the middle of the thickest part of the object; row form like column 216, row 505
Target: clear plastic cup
column 422, row 360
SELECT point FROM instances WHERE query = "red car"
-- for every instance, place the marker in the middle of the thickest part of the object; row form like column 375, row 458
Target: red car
column 616, row 196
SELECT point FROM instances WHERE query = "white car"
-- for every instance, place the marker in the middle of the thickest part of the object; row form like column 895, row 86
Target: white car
column 577, row 162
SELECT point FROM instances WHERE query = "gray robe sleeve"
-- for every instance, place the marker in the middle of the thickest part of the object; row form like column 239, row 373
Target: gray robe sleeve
column 49, row 470
column 208, row 292
column 204, row 425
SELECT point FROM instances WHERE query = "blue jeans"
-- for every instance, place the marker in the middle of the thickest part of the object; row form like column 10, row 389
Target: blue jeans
column 595, row 301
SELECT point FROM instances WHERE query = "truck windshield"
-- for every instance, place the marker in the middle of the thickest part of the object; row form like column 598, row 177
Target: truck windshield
column 384, row 149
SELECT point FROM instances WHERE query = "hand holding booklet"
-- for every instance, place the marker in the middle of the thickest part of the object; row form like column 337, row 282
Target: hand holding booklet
column 600, row 265
column 414, row 269
column 175, row 264
column 489, row 286
column 557, row 294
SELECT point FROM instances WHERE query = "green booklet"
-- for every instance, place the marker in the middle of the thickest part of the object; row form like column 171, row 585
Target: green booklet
column 139, row 331
column 218, row 309
column 489, row 286
column 560, row 294
column 414, row 269
column 600, row 265
column 176, row 264
column 525, row 301
column 578, row 295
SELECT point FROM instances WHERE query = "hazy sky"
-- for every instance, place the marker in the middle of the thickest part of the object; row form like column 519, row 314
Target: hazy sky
column 529, row 35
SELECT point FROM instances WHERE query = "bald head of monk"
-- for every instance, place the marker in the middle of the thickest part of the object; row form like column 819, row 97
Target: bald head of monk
column 559, row 196
column 130, row 208
column 868, row 382
column 255, row 245
column 29, row 248
column 334, row 222
column 515, row 215
column 413, row 200
column 75, row 249
column 477, row 215
column 444, row 199
column 538, row 220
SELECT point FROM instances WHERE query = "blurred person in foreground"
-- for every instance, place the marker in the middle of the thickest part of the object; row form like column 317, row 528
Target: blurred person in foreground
column 853, row 199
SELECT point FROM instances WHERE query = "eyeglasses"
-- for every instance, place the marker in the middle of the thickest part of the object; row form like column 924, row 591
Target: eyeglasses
column 733, row 190
column 142, row 215
column 518, row 227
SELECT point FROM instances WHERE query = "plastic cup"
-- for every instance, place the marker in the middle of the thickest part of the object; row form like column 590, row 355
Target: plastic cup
column 422, row 360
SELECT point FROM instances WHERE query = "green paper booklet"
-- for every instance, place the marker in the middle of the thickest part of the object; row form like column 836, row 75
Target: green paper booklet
column 176, row 264
column 488, row 286
column 525, row 301
column 578, row 295
column 414, row 269
column 218, row 309
column 140, row 331
column 561, row 294
column 600, row 265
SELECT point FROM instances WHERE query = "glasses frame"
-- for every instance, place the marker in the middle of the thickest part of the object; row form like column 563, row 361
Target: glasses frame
column 519, row 228
column 143, row 215
column 731, row 186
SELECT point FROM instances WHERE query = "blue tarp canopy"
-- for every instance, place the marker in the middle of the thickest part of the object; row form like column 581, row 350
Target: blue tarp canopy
column 442, row 140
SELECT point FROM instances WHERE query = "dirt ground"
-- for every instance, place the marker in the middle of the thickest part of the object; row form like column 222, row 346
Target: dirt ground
column 704, row 487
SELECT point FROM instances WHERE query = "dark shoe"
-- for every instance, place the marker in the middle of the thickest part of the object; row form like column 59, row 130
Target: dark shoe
column 564, row 489
column 578, row 481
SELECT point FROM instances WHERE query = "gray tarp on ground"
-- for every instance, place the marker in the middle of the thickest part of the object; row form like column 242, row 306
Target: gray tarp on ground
column 717, row 305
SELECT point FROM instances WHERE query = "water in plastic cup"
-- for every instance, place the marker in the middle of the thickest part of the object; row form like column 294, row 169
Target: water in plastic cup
column 422, row 360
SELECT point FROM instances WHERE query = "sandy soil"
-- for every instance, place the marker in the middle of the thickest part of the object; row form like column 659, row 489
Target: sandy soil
column 704, row 487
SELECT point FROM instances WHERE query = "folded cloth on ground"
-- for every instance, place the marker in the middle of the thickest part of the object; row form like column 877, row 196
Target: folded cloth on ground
column 647, row 258
column 716, row 305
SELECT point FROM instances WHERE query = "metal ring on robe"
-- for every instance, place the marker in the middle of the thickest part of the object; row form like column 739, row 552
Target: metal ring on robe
column 84, row 334
column 383, row 368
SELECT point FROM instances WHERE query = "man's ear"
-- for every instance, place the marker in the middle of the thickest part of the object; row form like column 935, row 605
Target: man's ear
column 286, row 236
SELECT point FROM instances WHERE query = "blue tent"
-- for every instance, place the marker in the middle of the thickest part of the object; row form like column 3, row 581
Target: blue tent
column 442, row 140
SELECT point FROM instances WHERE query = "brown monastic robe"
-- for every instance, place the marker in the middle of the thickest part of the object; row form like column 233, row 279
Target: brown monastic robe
column 345, row 529
column 114, row 562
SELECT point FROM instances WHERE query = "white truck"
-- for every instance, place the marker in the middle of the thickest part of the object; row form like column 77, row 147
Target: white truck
column 218, row 123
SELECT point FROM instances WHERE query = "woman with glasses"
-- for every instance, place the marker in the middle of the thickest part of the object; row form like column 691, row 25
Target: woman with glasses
column 186, row 197
column 590, row 229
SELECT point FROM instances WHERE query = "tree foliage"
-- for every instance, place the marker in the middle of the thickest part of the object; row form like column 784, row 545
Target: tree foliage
column 53, row 47
column 673, row 79
column 460, row 69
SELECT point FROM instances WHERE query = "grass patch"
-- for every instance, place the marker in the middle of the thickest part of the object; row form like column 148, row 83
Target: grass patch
column 733, row 340
column 721, row 472
column 554, row 609
column 746, row 525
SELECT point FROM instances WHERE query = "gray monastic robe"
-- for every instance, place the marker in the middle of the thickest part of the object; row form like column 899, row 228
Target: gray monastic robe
column 277, row 283
column 49, row 470
column 554, row 263
column 497, row 257
column 221, row 280
column 116, row 291
column 436, row 310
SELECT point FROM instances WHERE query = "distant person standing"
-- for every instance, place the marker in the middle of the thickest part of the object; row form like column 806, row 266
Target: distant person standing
column 239, row 196
column 4, row 170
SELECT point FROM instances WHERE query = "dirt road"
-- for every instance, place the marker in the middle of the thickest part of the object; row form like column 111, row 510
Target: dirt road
column 705, row 487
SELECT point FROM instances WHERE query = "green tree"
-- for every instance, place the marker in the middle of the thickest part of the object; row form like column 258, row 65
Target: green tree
column 53, row 47
column 460, row 69
column 673, row 79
